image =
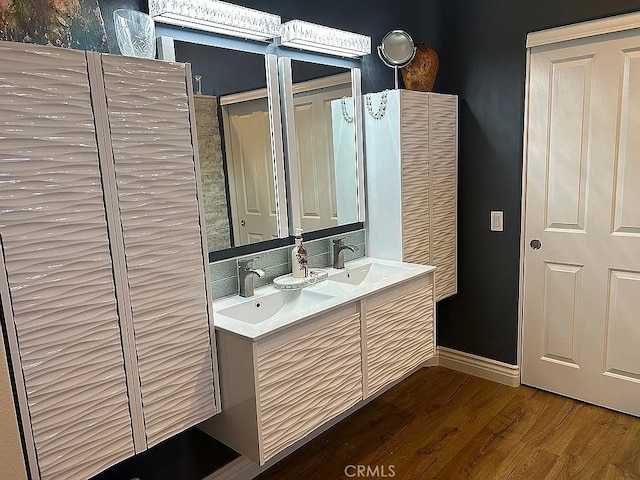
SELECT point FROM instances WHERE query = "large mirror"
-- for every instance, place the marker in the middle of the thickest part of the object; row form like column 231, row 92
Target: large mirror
column 322, row 137
column 239, row 144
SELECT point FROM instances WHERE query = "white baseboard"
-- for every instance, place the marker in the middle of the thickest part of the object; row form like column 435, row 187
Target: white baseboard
column 433, row 361
column 482, row 367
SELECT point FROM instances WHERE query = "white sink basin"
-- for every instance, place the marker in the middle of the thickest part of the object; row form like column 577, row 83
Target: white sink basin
column 271, row 310
column 369, row 272
column 256, row 310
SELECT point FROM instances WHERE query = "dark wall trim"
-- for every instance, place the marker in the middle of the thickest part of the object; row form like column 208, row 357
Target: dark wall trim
column 281, row 242
column 330, row 232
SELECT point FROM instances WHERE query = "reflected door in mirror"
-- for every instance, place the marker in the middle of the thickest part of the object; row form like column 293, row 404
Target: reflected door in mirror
column 325, row 147
column 316, row 175
column 237, row 143
column 250, row 167
column 321, row 143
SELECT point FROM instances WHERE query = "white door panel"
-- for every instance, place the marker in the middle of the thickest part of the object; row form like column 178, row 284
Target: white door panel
column 316, row 175
column 627, row 199
column 250, row 165
column 622, row 355
column 582, row 287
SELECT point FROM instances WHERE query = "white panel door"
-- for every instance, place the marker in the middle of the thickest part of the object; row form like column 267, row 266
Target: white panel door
column 250, row 164
column 581, row 328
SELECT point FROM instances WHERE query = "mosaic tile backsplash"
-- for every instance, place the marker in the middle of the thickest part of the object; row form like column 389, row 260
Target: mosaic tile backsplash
column 224, row 274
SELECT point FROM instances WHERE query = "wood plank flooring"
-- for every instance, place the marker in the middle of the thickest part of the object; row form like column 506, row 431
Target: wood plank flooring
column 441, row 424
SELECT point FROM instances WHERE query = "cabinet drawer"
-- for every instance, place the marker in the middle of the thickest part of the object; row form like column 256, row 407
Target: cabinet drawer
column 399, row 332
column 308, row 380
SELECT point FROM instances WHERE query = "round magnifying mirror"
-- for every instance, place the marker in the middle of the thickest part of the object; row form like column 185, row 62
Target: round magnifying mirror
column 397, row 48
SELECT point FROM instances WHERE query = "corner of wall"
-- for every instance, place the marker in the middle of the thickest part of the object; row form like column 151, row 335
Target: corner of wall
column 11, row 455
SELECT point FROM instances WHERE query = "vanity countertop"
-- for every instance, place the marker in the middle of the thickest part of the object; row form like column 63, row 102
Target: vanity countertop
column 325, row 296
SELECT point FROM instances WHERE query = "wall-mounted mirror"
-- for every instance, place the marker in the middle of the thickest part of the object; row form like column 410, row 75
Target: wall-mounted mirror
column 240, row 144
column 324, row 149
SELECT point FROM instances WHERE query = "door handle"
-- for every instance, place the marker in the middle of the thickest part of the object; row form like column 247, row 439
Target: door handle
column 243, row 223
column 535, row 244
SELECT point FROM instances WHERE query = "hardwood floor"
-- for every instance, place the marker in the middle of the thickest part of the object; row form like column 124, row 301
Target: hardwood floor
column 441, row 424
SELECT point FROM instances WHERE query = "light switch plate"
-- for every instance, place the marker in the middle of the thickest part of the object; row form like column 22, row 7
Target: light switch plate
column 497, row 221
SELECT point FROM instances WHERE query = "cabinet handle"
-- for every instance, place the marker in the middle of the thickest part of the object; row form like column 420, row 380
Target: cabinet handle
column 536, row 244
column 242, row 223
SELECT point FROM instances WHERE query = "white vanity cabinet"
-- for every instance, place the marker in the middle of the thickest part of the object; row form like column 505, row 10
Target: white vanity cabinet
column 308, row 376
column 280, row 386
column 411, row 146
column 103, row 272
column 398, row 328
column 278, row 389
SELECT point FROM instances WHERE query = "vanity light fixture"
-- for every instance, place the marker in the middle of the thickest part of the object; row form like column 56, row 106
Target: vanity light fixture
column 318, row 38
column 218, row 17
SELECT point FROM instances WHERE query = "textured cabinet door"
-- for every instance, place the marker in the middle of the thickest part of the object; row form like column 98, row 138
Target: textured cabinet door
column 57, row 280
column 398, row 332
column 428, row 137
column 307, row 378
column 412, row 165
column 443, row 161
column 416, row 178
column 157, row 193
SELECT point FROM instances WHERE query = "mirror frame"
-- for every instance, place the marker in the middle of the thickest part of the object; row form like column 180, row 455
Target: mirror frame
column 166, row 36
column 290, row 137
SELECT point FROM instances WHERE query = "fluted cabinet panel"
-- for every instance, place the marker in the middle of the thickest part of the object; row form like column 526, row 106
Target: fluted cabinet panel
column 307, row 381
column 415, row 182
column 443, row 160
column 399, row 336
column 414, row 111
column 157, row 191
column 58, row 264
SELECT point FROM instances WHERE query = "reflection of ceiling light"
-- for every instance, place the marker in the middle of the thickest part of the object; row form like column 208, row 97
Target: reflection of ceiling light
column 309, row 36
column 216, row 16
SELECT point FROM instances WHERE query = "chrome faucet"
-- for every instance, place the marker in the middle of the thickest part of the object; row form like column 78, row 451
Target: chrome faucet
column 338, row 252
column 246, row 274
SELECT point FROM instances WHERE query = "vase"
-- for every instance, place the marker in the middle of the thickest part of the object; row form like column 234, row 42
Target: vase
column 135, row 33
column 420, row 74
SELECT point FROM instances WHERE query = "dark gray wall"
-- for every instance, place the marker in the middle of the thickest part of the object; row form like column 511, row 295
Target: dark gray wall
column 482, row 58
column 223, row 71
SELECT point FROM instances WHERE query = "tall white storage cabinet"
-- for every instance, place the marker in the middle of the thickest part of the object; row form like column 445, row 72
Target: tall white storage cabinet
column 166, row 260
column 411, row 147
column 103, row 281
